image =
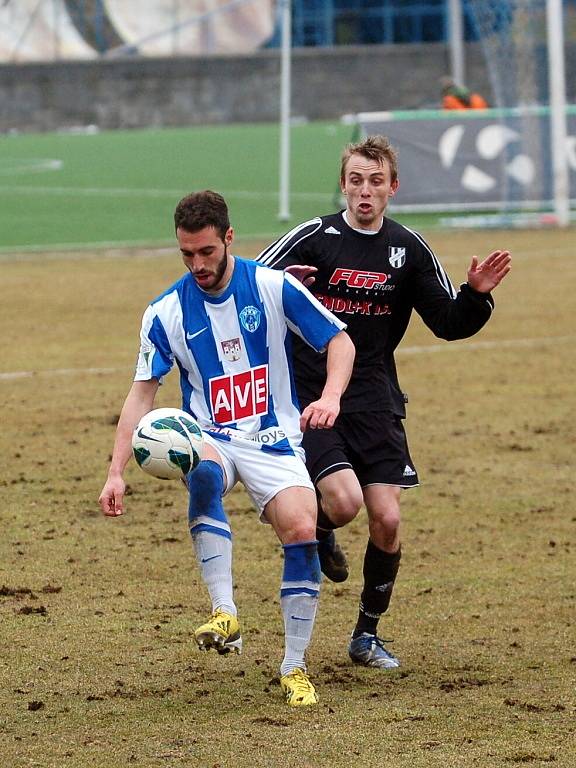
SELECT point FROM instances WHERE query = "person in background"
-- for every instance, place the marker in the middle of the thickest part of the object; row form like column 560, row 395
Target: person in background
column 456, row 96
column 226, row 324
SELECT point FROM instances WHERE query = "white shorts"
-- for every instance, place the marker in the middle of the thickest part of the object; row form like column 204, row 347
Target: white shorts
column 263, row 474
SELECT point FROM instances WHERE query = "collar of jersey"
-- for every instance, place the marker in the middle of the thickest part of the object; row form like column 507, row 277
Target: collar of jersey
column 368, row 232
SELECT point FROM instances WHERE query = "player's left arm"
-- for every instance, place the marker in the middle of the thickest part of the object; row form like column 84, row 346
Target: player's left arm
column 484, row 277
column 322, row 413
column 452, row 314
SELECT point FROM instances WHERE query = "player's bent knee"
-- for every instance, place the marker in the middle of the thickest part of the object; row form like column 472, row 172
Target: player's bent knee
column 385, row 529
column 205, row 489
column 298, row 530
column 389, row 522
column 303, row 531
column 342, row 507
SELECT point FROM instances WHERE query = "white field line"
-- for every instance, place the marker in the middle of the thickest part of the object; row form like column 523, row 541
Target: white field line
column 15, row 252
column 72, row 251
column 496, row 344
column 11, row 375
column 242, row 194
column 29, row 165
column 403, row 351
column 108, row 249
column 150, row 248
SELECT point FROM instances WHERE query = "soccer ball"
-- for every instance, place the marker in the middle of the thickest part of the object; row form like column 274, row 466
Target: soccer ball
column 167, row 443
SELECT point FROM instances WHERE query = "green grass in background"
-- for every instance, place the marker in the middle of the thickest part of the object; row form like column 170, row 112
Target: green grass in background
column 122, row 187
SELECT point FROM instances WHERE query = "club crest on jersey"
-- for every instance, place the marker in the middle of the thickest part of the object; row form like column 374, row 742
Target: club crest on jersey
column 397, row 256
column 250, row 318
column 231, row 349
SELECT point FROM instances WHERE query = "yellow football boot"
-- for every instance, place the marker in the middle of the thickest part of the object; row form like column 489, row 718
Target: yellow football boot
column 221, row 632
column 298, row 689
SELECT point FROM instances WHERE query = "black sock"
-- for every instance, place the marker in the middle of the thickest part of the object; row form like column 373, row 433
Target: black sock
column 380, row 569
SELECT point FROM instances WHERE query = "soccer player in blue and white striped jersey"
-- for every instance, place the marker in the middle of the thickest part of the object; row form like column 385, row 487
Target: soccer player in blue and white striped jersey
column 226, row 324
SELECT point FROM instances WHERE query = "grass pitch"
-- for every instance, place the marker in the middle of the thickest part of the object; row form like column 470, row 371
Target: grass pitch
column 121, row 187
column 97, row 665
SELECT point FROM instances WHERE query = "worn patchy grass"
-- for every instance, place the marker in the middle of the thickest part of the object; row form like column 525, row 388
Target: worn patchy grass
column 97, row 667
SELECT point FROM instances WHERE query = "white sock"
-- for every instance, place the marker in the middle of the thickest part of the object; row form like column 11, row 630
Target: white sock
column 214, row 555
column 299, row 613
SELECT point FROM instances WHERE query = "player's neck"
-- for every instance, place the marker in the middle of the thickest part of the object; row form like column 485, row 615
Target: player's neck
column 354, row 225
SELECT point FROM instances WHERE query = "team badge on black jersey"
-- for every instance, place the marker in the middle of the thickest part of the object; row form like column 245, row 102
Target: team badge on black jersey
column 396, row 256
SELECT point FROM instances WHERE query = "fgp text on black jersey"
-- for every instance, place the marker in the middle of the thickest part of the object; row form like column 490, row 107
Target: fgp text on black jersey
column 372, row 282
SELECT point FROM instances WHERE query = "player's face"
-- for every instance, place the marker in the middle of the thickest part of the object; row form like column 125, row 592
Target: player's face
column 205, row 255
column 368, row 187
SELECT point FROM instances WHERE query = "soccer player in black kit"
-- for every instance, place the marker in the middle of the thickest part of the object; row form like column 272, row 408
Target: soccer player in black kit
column 372, row 272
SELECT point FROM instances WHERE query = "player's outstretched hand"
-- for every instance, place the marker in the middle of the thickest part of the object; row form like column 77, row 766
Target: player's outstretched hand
column 321, row 414
column 302, row 272
column 112, row 496
column 484, row 277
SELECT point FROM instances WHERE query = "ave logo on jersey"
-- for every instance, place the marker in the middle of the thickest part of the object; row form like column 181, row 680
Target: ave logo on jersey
column 396, row 256
column 239, row 396
column 357, row 278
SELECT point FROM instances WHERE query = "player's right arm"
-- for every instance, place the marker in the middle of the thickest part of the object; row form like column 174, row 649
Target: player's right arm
column 322, row 413
column 139, row 401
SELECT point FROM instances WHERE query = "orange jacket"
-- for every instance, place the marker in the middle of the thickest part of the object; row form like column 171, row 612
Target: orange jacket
column 461, row 99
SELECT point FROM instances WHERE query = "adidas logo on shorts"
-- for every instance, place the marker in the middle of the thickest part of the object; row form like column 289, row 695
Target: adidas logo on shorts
column 408, row 471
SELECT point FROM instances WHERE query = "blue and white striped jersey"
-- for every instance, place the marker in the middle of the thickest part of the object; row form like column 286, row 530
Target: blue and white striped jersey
column 234, row 352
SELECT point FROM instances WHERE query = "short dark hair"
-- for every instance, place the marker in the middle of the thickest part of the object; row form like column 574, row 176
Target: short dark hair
column 202, row 209
column 376, row 148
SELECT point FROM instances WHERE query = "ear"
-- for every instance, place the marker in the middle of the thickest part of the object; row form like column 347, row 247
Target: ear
column 229, row 236
column 394, row 187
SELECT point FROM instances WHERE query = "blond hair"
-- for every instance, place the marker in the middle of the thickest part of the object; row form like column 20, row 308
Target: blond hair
column 376, row 148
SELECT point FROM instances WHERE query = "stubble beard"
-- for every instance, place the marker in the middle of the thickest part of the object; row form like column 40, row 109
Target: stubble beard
column 220, row 271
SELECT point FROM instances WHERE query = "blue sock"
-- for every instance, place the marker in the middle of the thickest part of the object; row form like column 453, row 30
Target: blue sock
column 299, row 600
column 211, row 534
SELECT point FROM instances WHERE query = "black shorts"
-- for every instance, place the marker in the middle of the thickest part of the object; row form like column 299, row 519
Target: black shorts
column 373, row 444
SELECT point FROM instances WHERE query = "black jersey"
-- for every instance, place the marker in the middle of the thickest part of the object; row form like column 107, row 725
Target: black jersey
column 372, row 282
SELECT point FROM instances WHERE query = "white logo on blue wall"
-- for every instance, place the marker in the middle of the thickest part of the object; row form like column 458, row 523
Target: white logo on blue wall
column 491, row 144
column 250, row 318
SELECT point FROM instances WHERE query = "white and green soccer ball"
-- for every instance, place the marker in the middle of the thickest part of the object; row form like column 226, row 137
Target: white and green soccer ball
column 167, row 443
